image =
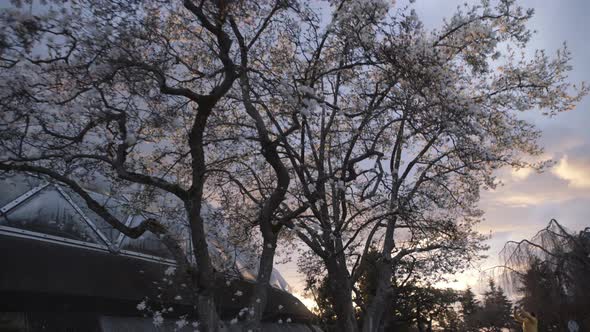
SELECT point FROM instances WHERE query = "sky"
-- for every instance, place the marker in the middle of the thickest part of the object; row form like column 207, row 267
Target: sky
column 527, row 201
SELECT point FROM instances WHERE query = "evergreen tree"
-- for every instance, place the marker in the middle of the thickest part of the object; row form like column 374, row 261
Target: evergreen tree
column 496, row 313
column 470, row 310
column 469, row 304
column 543, row 296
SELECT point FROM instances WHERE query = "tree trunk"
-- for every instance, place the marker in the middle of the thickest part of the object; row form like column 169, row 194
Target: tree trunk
column 207, row 312
column 382, row 300
column 204, row 283
column 419, row 320
column 260, row 296
column 267, row 213
column 341, row 292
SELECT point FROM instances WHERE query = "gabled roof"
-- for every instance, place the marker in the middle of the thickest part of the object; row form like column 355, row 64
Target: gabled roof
column 50, row 212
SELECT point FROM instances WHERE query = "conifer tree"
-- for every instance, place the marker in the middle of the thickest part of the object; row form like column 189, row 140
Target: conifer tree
column 496, row 313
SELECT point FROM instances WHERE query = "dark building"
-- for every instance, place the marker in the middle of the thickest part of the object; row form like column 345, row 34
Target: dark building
column 64, row 269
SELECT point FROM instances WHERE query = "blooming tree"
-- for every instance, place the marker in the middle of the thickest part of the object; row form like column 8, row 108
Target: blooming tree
column 346, row 122
column 136, row 98
column 400, row 129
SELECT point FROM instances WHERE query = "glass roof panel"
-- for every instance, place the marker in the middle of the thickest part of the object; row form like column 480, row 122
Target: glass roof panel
column 115, row 207
column 49, row 213
column 148, row 243
column 14, row 186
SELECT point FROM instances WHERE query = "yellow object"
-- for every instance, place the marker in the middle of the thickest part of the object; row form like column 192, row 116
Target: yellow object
column 529, row 322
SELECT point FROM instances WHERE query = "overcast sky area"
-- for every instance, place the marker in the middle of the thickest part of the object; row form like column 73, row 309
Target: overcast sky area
column 528, row 201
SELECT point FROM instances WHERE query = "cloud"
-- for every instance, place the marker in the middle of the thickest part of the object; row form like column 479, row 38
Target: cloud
column 540, row 191
column 521, row 174
column 520, row 200
column 576, row 173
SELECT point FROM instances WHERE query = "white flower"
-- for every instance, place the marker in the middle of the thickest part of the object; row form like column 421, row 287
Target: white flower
column 178, row 297
column 243, row 311
column 228, row 283
column 182, row 322
column 158, row 319
column 307, row 90
column 130, row 139
column 178, row 121
column 280, row 321
column 257, row 300
column 280, row 307
column 288, row 320
column 141, row 305
column 238, row 293
column 170, row 271
column 234, row 321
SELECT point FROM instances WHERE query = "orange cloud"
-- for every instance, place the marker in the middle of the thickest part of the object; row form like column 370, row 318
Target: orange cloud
column 520, row 200
column 521, row 174
column 577, row 174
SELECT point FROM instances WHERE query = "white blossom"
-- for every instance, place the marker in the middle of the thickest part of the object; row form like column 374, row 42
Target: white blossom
column 182, row 322
column 158, row 319
column 305, row 111
column 141, row 305
column 130, row 139
column 169, row 271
